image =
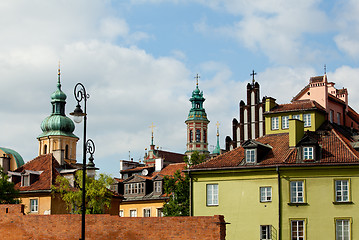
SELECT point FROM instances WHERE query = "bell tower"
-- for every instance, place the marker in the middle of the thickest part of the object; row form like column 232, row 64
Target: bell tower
column 197, row 124
column 57, row 129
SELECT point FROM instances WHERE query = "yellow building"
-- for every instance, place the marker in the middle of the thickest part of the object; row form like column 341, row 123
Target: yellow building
column 291, row 185
column 10, row 159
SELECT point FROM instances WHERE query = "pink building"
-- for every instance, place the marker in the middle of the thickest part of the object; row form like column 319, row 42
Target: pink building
column 335, row 101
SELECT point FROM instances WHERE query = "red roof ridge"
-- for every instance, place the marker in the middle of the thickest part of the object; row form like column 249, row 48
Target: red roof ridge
column 347, row 145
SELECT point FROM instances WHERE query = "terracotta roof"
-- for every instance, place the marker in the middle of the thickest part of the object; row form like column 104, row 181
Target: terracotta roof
column 316, row 79
column 172, row 168
column 136, row 169
column 353, row 114
column 298, row 105
column 48, row 165
column 335, row 149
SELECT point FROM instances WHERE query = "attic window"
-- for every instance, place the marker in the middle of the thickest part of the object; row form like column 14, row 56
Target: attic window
column 25, row 180
column 250, row 155
column 308, row 153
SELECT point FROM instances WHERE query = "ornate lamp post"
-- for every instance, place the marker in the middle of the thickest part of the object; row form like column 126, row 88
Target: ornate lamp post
column 88, row 146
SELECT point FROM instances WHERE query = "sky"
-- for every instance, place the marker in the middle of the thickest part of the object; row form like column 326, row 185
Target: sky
column 138, row 58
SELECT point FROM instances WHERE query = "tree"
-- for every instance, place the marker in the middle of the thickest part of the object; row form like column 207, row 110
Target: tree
column 97, row 198
column 177, row 187
column 8, row 194
column 196, row 158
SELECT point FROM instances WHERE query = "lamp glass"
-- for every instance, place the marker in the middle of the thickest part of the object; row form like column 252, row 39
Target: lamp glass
column 77, row 119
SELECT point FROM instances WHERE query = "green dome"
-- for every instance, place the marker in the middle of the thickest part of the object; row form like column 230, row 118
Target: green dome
column 57, row 125
column 197, row 111
column 58, row 95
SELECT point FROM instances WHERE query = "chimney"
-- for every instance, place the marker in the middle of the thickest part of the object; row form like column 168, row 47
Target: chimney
column 158, row 164
column 5, row 163
column 270, row 103
column 59, row 156
column 296, row 131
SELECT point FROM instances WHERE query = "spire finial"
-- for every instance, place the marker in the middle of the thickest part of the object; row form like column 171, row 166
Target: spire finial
column 253, row 74
column 325, row 69
column 197, row 77
column 217, row 124
column 152, row 127
column 58, row 76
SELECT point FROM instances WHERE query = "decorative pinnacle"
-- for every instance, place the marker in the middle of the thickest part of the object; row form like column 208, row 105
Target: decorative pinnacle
column 253, row 74
column 325, row 69
column 217, row 124
column 152, row 127
column 58, row 78
column 197, row 77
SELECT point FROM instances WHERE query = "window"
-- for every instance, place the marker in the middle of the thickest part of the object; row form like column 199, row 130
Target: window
column 342, row 229
column 338, row 118
column 45, row 149
column 204, row 136
column 342, row 190
column 34, row 205
column 212, row 194
column 158, row 186
column 275, row 123
column 159, row 212
column 307, row 120
column 331, row 116
column 190, row 135
column 67, row 152
column 266, row 194
column 297, row 192
column 25, row 180
column 266, row 232
column 308, row 153
column 296, row 116
column 285, row 122
column 198, row 135
column 250, row 155
column 126, row 189
column 297, row 229
column 121, row 213
column 133, row 213
column 147, row 212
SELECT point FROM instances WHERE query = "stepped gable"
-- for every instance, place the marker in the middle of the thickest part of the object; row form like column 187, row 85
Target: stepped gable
column 297, row 105
column 335, row 149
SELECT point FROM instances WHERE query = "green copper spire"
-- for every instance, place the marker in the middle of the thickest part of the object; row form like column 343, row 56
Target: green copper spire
column 217, row 150
column 58, row 123
column 197, row 111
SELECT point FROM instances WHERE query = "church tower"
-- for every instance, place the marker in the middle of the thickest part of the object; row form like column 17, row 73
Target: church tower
column 197, row 124
column 57, row 129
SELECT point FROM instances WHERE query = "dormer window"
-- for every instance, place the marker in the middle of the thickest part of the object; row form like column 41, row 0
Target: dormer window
column 158, row 186
column 250, row 155
column 308, row 153
column 25, row 180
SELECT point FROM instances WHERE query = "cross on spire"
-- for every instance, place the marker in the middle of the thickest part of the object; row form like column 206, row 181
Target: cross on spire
column 253, row 74
column 325, row 69
column 197, row 77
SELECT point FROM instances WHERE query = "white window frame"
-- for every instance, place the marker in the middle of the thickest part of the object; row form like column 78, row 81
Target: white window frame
column 294, row 228
column 120, row 213
column 158, row 186
column 265, row 194
column 147, row 212
column 275, row 123
column 159, row 212
column 297, row 191
column 341, row 190
column 212, row 194
column 133, row 212
column 285, row 122
column 342, row 226
column 251, row 155
column 296, row 116
column 265, row 232
column 307, row 118
column 34, row 205
column 25, row 180
column 308, row 153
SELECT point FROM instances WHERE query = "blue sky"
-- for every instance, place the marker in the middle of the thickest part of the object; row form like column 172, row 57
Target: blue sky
column 138, row 60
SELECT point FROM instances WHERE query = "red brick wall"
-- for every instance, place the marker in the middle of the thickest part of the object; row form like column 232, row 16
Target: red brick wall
column 15, row 225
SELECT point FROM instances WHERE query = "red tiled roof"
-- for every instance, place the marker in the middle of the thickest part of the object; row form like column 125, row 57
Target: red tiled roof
column 353, row 114
column 136, row 169
column 335, row 149
column 45, row 163
column 172, row 168
column 298, row 105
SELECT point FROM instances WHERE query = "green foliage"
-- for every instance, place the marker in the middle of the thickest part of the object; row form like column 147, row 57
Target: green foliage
column 178, row 187
column 8, row 194
column 196, row 158
column 97, row 194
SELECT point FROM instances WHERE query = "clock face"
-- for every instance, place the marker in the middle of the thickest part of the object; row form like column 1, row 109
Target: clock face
column 144, row 172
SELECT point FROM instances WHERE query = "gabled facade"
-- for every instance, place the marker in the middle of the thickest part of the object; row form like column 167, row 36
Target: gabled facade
column 291, row 185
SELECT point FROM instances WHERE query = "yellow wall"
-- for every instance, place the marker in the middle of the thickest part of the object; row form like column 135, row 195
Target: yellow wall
column 316, row 120
column 239, row 200
column 47, row 203
column 139, row 206
column 59, row 142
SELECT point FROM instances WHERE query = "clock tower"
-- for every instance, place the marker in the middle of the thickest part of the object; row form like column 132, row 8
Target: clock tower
column 197, row 124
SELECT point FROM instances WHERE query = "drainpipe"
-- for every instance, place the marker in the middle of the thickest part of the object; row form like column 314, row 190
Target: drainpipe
column 190, row 194
column 279, row 205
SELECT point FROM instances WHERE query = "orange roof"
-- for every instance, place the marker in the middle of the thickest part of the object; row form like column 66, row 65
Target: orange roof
column 298, row 105
column 335, row 149
column 172, row 168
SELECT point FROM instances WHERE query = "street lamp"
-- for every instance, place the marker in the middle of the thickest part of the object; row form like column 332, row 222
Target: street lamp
column 80, row 94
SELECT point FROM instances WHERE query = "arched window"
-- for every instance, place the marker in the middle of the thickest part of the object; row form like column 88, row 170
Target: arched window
column 198, row 135
column 45, row 149
column 190, row 135
column 67, row 152
column 204, row 136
